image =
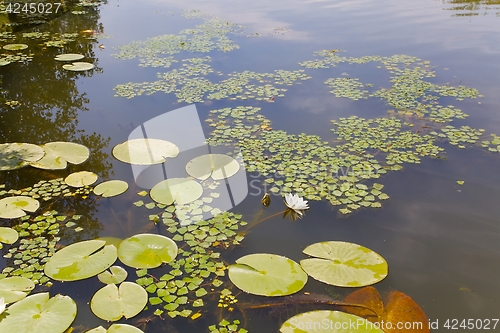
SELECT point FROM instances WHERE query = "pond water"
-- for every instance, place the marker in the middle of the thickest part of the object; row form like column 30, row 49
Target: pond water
column 440, row 238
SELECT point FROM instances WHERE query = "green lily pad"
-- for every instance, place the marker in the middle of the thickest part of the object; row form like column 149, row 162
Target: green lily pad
column 58, row 154
column 39, row 313
column 111, row 188
column 145, row 151
column 326, row 321
column 116, row 328
column 178, row 190
column 15, row 288
column 111, row 240
column 267, row 275
column 8, row 236
column 69, row 57
column 217, row 166
column 79, row 66
column 80, row 260
column 147, row 251
column 14, row 207
column 15, row 47
column 112, row 302
column 16, row 155
column 81, row 179
column 344, row 264
column 115, row 275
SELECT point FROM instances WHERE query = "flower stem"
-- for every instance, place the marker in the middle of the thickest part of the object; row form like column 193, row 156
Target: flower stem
column 264, row 219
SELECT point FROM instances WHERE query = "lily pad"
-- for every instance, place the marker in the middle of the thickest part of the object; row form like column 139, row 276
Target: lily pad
column 8, row 236
column 15, row 288
column 15, row 47
column 58, row 154
column 115, row 275
column 39, row 313
column 178, row 190
column 81, row 179
column 217, row 166
column 326, row 321
column 112, row 302
column 69, row 57
column 79, row 66
column 116, row 328
column 145, row 151
column 344, row 264
column 14, row 207
column 80, row 260
column 267, row 275
column 147, row 251
column 111, row 188
column 16, row 155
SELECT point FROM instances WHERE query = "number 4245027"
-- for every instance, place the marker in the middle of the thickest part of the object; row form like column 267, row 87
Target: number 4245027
column 33, row 7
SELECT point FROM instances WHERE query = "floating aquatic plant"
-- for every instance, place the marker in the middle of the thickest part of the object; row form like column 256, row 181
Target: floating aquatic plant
column 145, row 151
column 18, row 155
column 59, row 154
column 112, row 303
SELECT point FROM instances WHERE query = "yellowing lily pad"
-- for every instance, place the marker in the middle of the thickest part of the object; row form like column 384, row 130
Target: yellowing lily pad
column 111, row 188
column 58, row 154
column 326, row 321
column 69, row 57
column 217, row 166
column 147, row 251
column 14, row 207
column 145, row 151
column 81, row 260
column 79, row 66
column 81, row 179
column 116, row 328
column 344, row 264
column 15, row 47
column 178, row 190
column 15, row 288
column 39, row 313
column 112, row 302
column 267, row 275
column 16, row 155
column 115, row 275
column 8, row 236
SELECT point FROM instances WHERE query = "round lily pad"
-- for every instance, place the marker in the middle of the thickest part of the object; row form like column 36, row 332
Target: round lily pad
column 39, row 313
column 111, row 188
column 178, row 190
column 14, row 207
column 267, row 275
column 15, row 288
column 8, row 236
column 217, row 166
column 15, row 47
column 79, row 66
column 80, row 260
column 17, row 155
column 147, row 251
column 145, row 151
column 115, row 275
column 326, row 321
column 69, row 57
column 58, row 154
column 112, row 302
column 116, row 328
column 81, row 179
column 344, row 264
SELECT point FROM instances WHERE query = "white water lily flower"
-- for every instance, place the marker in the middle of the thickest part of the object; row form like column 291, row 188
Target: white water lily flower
column 296, row 203
column 2, row 305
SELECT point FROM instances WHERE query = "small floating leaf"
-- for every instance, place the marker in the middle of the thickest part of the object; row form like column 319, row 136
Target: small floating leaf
column 17, row 155
column 15, row 47
column 37, row 313
column 344, row 264
column 147, row 251
column 81, row 260
column 460, row 182
column 115, row 275
column 267, row 275
column 145, row 151
column 217, row 166
column 14, row 207
column 15, row 288
column 69, row 57
column 112, row 302
column 178, row 190
column 116, row 328
column 81, row 179
column 79, row 66
column 111, row 188
column 8, row 236
column 58, row 154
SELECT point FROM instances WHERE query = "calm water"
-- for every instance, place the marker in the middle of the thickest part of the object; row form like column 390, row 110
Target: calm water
column 441, row 240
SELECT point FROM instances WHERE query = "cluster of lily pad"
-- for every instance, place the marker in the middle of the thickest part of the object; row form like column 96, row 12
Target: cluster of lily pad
column 459, row 136
column 492, row 145
column 347, row 87
column 7, row 58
